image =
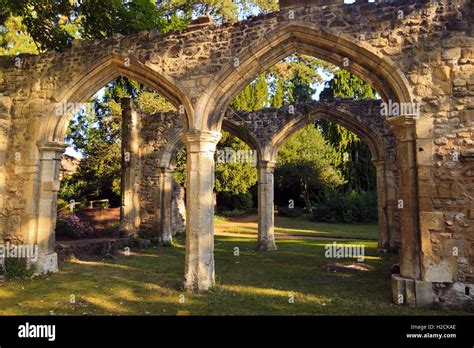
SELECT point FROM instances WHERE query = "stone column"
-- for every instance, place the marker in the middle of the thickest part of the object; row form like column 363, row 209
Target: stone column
column 266, row 238
column 384, row 240
column 50, row 163
column 408, row 287
column 199, row 263
column 129, row 212
column 166, row 179
column 391, row 192
column 403, row 128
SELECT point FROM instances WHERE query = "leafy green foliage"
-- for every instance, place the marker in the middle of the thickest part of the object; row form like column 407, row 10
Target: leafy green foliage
column 253, row 97
column 234, row 204
column 305, row 167
column 234, row 177
column 14, row 38
column 351, row 207
column 290, row 212
column 346, row 85
column 353, row 158
column 17, row 268
column 54, row 24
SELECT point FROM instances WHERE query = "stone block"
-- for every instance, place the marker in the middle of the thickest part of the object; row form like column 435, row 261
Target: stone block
column 470, row 214
column 47, row 264
column 398, row 289
column 432, row 221
column 467, row 115
column 438, row 270
column 5, row 107
column 424, row 293
column 451, row 53
column 427, row 189
column 410, row 293
column 425, row 152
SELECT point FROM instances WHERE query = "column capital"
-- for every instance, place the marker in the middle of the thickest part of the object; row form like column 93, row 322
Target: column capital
column 55, row 146
column 400, row 121
column 263, row 164
column 50, row 150
column 402, row 126
column 167, row 170
column 200, row 141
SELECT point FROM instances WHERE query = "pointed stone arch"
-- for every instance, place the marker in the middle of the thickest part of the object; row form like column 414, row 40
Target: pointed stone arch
column 98, row 74
column 369, row 136
column 306, row 38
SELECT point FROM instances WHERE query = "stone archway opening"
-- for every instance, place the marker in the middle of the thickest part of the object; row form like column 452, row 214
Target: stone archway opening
column 125, row 140
column 362, row 117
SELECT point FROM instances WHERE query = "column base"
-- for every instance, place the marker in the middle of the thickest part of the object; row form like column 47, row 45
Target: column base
column 199, row 275
column 165, row 241
column 411, row 292
column 267, row 246
column 46, row 264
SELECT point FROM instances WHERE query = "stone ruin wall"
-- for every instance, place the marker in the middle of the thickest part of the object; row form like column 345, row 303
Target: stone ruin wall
column 156, row 131
column 432, row 47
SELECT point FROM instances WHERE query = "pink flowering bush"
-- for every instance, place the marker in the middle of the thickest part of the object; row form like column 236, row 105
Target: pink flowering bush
column 71, row 227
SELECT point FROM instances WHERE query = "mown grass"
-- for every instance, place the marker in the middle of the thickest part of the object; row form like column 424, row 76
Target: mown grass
column 253, row 283
column 303, row 227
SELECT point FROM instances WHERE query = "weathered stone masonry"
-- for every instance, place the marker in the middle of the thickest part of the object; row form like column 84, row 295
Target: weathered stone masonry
column 264, row 130
column 410, row 51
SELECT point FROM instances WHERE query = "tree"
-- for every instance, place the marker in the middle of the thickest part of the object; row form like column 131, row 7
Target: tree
column 52, row 23
column 354, row 158
column 253, row 97
column 97, row 135
column 234, row 177
column 305, row 167
column 14, row 38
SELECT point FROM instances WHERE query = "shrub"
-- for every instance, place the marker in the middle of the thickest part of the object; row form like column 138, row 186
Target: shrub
column 112, row 231
column 233, row 213
column 352, row 207
column 323, row 213
column 290, row 212
column 16, row 268
column 71, row 227
column 228, row 201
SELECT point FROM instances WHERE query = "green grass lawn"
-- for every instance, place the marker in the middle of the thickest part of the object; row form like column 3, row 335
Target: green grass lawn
column 253, row 283
column 304, row 227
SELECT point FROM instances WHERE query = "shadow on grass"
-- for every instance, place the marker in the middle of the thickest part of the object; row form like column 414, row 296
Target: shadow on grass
column 295, row 280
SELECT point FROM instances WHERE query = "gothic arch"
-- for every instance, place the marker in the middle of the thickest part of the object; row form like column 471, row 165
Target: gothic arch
column 370, row 137
column 376, row 142
column 305, row 38
column 168, row 158
column 97, row 75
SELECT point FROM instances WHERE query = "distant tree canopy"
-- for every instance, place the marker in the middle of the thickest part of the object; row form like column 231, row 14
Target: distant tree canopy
column 354, row 158
column 97, row 136
column 306, row 167
column 54, row 24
